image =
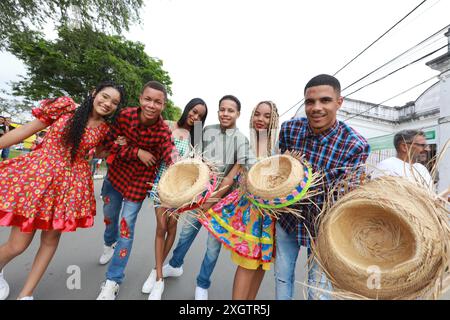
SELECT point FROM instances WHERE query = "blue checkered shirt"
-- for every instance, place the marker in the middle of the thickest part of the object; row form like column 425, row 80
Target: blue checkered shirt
column 337, row 152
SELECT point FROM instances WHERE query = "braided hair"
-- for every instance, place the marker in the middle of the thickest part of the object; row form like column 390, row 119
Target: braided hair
column 76, row 125
column 271, row 130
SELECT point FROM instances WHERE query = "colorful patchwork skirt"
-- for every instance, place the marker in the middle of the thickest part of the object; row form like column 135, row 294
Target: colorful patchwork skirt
column 244, row 229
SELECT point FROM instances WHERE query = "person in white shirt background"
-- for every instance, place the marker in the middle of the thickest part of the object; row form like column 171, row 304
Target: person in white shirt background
column 410, row 145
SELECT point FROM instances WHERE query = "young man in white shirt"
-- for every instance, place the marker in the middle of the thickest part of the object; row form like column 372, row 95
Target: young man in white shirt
column 410, row 146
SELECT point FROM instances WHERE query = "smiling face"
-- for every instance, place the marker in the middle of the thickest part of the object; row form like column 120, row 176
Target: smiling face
column 261, row 117
column 228, row 114
column 106, row 101
column 197, row 113
column 321, row 106
column 152, row 104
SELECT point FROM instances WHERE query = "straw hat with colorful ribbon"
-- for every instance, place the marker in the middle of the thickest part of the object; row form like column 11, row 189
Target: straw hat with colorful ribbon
column 387, row 239
column 277, row 182
column 186, row 185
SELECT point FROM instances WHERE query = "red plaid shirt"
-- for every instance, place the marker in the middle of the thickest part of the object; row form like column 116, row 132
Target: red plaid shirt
column 127, row 173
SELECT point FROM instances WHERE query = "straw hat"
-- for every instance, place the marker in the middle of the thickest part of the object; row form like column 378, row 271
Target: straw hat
column 185, row 183
column 387, row 239
column 278, row 181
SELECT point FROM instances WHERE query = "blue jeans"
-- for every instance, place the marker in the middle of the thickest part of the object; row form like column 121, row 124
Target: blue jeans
column 115, row 208
column 288, row 248
column 190, row 229
column 5, row 153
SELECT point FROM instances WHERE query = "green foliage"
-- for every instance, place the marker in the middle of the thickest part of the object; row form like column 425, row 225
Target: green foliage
column 79, row 59
column 171, row 112
column 18, row 16
column 12, row 107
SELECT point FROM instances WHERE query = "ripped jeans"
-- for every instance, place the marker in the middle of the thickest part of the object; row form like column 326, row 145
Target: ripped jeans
column 122, row 232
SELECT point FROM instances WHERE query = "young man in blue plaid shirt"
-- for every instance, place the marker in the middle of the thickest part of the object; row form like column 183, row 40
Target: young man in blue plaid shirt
column 331, row 147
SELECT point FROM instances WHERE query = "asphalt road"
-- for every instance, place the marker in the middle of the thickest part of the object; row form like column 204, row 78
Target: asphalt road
column 78, row 254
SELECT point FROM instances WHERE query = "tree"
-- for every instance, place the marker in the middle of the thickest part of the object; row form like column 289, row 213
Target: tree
column 79, row 59
column 18, row 16
column 13, row 108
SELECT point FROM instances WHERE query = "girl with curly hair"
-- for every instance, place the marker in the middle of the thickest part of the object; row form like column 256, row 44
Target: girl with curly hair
column 51, row 188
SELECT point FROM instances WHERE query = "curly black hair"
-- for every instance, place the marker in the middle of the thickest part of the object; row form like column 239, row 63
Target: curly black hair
column 76, row 125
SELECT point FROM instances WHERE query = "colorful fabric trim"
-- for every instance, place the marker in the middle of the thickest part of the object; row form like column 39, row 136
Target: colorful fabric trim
column 296, row 195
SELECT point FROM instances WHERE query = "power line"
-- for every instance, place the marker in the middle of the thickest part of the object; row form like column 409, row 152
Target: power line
column 380, row 37
column 399, row 56
column 397, row 95
column 389, row 62
column 379, row 79
column 397, row 70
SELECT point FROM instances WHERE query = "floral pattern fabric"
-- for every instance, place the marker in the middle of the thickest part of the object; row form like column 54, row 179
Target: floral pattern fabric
column 243, row 228
column 44, row 189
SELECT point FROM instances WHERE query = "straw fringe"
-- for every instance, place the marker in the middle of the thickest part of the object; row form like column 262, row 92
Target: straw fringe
column 178, row 202
column 407, row 270
column 255, row 183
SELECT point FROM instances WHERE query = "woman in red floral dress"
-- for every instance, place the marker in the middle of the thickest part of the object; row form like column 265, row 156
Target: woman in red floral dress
column 51, row 188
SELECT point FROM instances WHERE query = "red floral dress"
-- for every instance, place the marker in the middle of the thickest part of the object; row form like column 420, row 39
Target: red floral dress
column 44, row 189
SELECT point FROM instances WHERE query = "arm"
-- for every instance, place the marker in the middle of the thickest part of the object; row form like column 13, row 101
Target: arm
column 170, row 153
column 122, row 151
column 21, row 133
column 101, row 152
column 224, row 187
column 352, row 170
column 282, row 141
column 245, row 155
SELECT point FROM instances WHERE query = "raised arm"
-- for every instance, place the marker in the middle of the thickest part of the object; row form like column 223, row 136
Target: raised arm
column 21, row 133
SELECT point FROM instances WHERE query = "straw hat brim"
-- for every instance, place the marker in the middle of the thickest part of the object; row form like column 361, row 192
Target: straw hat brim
column 294, row 196
column 183, row 182
column 390, row 229
column 275, row 177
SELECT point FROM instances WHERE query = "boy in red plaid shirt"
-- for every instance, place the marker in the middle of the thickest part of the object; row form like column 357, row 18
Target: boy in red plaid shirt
column 148, row 143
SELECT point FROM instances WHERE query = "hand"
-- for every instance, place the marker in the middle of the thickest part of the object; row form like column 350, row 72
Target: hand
column 207, row 205
column 146, row 157
column 121, row 141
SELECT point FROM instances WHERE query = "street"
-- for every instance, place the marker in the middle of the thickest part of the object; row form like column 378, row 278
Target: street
column 80, row 251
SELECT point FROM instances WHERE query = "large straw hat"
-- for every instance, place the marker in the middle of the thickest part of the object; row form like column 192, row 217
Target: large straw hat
column 387, row 239
column 278, row 181
column 186, row 183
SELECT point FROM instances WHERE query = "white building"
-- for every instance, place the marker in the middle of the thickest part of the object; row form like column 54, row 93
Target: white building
column 429, row 113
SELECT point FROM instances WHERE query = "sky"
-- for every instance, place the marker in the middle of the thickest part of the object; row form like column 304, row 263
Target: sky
column 268, row 50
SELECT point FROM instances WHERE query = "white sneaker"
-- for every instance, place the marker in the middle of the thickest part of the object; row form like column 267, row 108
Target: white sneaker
column 4, row 287
column 201, row 294
column 107, row 254
column 157, row 290
column 169, row 271
column 27, row 298
column 109, row 291
column 150, row 282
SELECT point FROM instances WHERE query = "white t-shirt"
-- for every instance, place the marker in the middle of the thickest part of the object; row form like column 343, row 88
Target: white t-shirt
column 396, row 167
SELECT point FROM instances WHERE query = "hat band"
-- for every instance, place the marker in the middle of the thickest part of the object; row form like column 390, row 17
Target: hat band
column 296, row 195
